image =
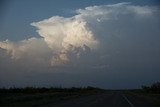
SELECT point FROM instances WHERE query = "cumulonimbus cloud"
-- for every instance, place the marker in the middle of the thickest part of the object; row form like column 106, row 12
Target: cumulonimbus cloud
column 67, row 39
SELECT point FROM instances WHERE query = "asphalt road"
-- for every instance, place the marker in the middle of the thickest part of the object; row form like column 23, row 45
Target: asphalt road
column 109, row 99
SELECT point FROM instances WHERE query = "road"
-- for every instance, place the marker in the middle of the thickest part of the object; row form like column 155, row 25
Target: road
column 108, row 99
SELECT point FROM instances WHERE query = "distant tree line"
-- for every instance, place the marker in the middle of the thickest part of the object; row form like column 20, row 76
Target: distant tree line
column 154, row 88
column 47, row 90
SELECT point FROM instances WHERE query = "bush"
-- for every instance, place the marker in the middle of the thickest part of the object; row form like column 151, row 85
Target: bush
column 154, row 88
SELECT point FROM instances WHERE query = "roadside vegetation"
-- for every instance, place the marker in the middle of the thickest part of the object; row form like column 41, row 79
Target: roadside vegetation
column 37, row 96
column 32, row 96
column 154, row 88
column 150, row 93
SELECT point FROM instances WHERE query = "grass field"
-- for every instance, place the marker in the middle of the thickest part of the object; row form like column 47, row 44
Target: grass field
column 34, row 97
column 149, row 96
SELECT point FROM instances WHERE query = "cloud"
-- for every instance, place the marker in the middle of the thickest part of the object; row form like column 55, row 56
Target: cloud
column 33, row 49
column 66, row 41
column 93, row 47
column 66, row 37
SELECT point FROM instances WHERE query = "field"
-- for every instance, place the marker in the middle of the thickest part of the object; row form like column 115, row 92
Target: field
column 77, row 97
column 29, row 97
column 149, row 96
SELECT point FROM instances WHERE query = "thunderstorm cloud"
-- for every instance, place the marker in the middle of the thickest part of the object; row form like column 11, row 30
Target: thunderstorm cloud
column 98, row 38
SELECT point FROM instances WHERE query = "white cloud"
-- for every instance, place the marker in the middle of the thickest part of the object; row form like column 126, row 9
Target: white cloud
column 93, row 47
column 33, row 49
column 67, row 37
column 66, row 40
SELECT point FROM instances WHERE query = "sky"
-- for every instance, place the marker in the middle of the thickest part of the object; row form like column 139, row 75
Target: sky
column 101, row 43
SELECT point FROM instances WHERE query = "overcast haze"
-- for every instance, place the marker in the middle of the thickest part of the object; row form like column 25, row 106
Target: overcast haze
column 80, row 43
